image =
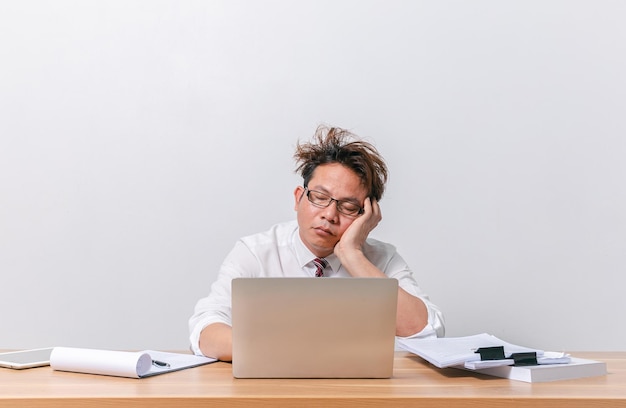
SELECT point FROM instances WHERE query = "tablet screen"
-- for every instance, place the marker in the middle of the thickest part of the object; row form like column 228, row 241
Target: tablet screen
column 26, row 358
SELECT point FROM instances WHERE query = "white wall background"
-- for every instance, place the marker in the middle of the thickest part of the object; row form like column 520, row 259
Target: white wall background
column 140, row 139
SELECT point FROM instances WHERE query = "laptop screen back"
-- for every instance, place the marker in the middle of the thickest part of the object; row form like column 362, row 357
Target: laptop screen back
column 313, row 327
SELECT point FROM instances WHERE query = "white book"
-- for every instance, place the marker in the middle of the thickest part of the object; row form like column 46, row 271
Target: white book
column 576, row 368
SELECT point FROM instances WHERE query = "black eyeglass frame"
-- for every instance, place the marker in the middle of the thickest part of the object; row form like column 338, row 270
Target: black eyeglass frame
column 338, row 203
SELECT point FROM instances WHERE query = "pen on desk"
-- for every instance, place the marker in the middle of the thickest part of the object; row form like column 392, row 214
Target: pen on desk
column 160, row 364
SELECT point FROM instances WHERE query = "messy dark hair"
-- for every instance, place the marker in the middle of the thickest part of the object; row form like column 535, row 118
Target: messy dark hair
column 335, row 145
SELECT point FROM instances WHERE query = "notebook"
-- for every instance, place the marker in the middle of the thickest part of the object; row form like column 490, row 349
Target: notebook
column 313, row 327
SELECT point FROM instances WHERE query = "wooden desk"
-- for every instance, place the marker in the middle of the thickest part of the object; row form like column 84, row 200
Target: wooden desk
column 415, row 383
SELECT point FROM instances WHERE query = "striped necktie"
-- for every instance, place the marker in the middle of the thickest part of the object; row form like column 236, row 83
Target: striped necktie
column 320, row 264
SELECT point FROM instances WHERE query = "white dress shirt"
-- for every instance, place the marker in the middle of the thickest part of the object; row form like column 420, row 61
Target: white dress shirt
column 279, row 252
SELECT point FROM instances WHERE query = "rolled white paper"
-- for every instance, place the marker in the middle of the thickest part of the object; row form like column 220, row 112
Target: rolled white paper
column 103, row 362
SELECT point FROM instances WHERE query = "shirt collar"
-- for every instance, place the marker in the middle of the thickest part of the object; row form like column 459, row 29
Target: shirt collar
column 305, row 256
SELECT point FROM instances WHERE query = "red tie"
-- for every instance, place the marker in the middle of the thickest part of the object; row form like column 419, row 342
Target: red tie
column 320, row 264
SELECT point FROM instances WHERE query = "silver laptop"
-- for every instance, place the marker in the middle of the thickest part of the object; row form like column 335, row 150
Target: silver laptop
column 313, row 327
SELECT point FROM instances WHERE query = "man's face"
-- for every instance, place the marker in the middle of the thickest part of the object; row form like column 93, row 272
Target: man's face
column 322, row 228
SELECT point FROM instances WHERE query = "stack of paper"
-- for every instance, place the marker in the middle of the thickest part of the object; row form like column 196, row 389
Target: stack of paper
column 548, row 357
column 452, row 351
column 576, row 368
column 460, row 352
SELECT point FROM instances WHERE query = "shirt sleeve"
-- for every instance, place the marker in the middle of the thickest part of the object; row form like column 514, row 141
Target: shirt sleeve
column 396, row 267
column 216, row 307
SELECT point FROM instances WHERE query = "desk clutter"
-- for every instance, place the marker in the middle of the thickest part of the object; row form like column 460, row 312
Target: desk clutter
column 487, row 354
column 482, row 353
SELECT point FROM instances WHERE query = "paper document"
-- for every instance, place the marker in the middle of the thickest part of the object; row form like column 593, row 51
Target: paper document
column 122, row 363
column 476, row 365
column 553, row 357
column 576, row 368
column 460, row 352
column 451, row 351
column 548, row 357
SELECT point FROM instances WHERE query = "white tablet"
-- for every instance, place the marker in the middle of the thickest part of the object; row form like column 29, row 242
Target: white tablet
column 26, row 358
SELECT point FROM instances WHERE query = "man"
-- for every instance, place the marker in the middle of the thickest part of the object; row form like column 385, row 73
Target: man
column 337, row 208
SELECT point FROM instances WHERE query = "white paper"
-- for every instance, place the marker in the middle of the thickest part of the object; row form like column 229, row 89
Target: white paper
column 554, row 357
column 451, row 351
column 103, row 362
column 577, row 368
column 122, row 363
column 176, row 361
column 475, row 365
column 549, row 357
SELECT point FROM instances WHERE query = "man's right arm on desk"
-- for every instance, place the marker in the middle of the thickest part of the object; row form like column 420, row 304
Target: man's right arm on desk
column 216, row 340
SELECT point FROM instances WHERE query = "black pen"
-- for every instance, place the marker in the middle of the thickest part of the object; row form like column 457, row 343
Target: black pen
column 160, row 364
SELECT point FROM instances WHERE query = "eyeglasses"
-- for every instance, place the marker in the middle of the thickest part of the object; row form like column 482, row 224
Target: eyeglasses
column 322, row 200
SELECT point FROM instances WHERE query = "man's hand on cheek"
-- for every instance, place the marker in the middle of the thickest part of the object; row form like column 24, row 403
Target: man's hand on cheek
column 355, row 235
